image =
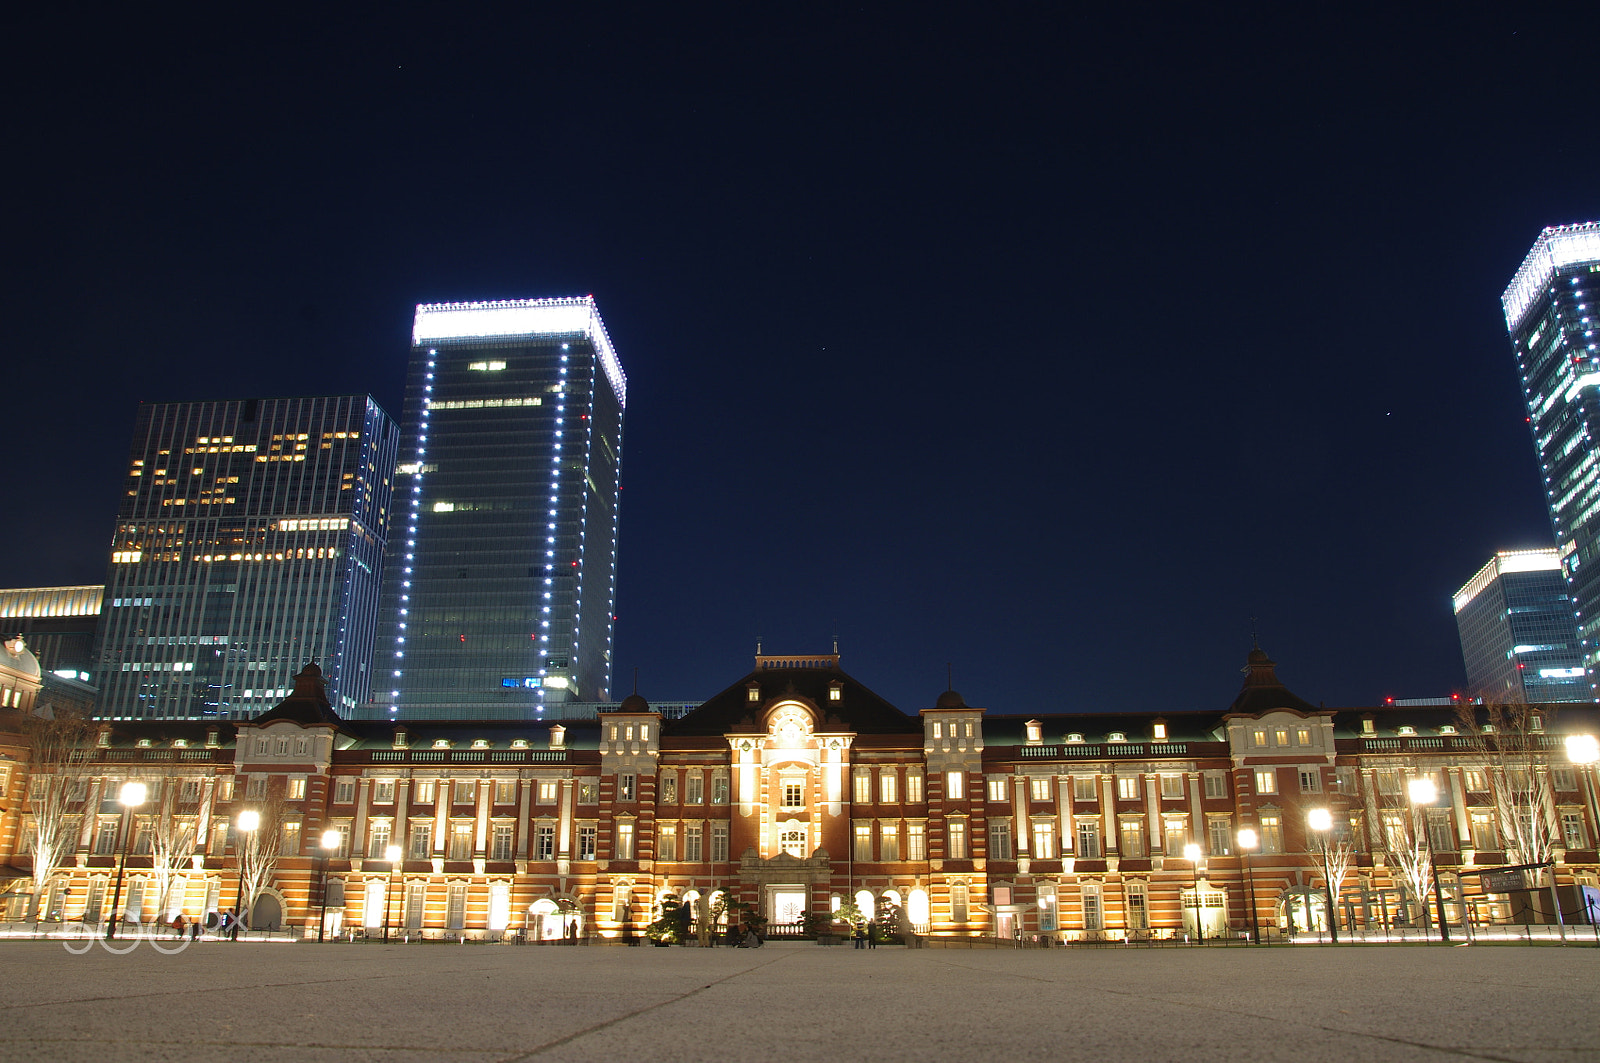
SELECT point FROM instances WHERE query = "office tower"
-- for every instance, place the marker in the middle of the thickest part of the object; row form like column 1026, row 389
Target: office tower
column 502, row 570
column 249, row 541
column 58, row 624
column 1550, row 312
column 1518, row 635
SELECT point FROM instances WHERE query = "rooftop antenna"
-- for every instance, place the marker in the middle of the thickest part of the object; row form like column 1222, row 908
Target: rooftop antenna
column 1255, row 643
column 636, row 679
column 836, row 638
column 949, row 676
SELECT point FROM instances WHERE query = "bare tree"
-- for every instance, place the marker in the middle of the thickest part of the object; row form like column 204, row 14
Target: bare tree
column 172, row 842
column 1510, row 740
column 258, row 850
column 1339, row 850
column 1402, row 830
column 59, row 752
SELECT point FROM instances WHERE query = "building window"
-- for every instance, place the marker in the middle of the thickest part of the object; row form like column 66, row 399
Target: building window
column 958, row 903
column 624, row 841
column 1220, row 834
column 544, row 837
column 1047, row 908
column 1389, row 781
column 793, row 842
column 693, row 847
column 1039, row 788
column 955, row 785
column 422, row 791
column 588, row 792
column 1303, row 736
column 956, row 832
column 1475, row 779
column 914, row 787
column 1000, row 839
column 998, row 789
column 256, row 789
column 382, row 792
column 667, row 844
column 619, row 903
column 861, row 787
column 1484, row 836
column 296, row 790
column 1044, row 841
column 719, row 842
column 1266, row 781
column 466, row 791
column 1138, row 902
column 1127, row 788
column 889, row 841
column 1440, row 836
column 1271, row 831
column 1310, row 781
column 1573, row 836
column 1172, row 787
column 1092, row 919
column 502, row 842
column 669, row 788
column 863, row 842
column 695, row 786
column 421, row 841
column 1132, row 838
column 719, row 789
column 105, row 838
column 1282, row 735
column 505, row 793
column 887, row 786
column 916, row 842
column 1083, row 788
column 625, row 787
column 344, row 792
column 1259, row 738
column 378, row 847
column 1089, row 839
column 586, row 843
column 1216, row 784
column 793, row 795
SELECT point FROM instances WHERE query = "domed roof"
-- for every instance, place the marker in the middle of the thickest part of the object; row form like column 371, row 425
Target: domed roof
column 634, row 703
column 16, row 656
column 950, row 700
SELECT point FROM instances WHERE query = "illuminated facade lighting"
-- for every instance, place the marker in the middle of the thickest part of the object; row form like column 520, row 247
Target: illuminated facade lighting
column 1550, row 310
column 513, row 411
column 224, row 582
column 1518, row 636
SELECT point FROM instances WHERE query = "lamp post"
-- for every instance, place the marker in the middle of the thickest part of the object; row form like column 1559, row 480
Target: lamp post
column 1192, row 851
column 330, row 842
column 247, row 821
column 131, row 797
column 1248, row 840
column 1583, row 751
column 1423, row 794
column 393, row 853
column 1320, row 820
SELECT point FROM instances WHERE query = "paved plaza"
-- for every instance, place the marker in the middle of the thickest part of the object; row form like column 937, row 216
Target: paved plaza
column 797, row 1002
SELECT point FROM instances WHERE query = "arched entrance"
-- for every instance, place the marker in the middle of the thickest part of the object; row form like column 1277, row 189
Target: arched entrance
column 267, row 911
column 554, row 919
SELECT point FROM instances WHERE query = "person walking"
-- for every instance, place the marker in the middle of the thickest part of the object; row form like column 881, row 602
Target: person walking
column 872, row 934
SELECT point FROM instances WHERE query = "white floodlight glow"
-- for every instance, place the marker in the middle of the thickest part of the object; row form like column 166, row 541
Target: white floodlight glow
column 1547, row 559
column 1248, row 839
column 1583, row 749
column 1319, row 819
column 1423, row 790
column 132, row 794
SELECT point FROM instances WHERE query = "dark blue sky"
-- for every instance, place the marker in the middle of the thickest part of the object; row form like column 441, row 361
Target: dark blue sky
column 1054, row 346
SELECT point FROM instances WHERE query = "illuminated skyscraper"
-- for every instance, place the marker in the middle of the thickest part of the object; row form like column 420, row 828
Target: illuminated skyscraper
column 1518, row 636
column 249, row 542
column 1550, row 312
column 502, row 573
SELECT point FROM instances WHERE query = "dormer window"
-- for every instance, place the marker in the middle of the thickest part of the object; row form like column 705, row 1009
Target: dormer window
column 441, row 743
column 480, row 743
column 1538, row 722
column 1487, row 728
column 1116, row 736
column 180, row 743
column 1075, row 737
column 520, row 743
column 1447, row 729
column 835, row 691
column 1035, row 731
column 1158, row 731
column 1368, row 726
column 143, row 743
column 558, row 737
column 752, row 693
column 401, row 739
column 1405, row 729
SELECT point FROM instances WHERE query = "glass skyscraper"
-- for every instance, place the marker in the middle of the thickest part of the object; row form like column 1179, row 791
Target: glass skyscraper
column 1550, row 312
column 249, row 541
column 502, row 573
column 1518, row 636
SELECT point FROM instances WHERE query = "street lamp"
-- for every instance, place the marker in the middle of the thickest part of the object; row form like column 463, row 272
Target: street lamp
column 330, row 842
column 1248, row 840
column 1423, row 794
column 1584, row 751
column 393, row 853
column 1320, row 820
column 247, row 821
column 131, row 797
column 1192, row 852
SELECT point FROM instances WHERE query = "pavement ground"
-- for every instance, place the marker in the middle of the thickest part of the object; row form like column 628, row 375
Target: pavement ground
column 796, row 1003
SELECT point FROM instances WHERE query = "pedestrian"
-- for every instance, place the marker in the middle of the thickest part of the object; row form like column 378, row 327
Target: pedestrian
column 178, row 923
column 233, row 924
column 872, row 934
column 858, row 936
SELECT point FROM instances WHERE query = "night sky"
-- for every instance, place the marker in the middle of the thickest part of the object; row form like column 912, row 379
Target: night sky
column 1052, row 346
